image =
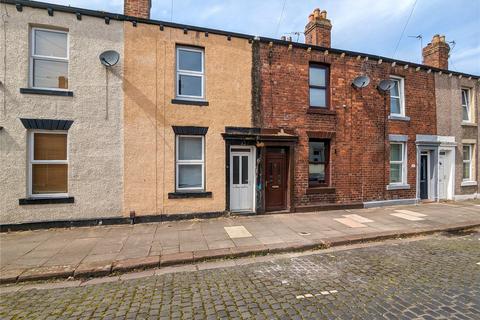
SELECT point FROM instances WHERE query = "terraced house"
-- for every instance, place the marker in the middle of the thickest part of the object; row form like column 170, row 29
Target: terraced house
column 108, row 117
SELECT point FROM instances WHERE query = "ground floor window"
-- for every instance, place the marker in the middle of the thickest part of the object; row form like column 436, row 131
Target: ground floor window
column 48, row 163
column 467, row 162
column 318, row 162
column 190, row 163
column 397, row 163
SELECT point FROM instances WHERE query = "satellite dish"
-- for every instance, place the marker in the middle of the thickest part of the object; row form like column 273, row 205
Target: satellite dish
column 361, row 81
column 109, row 58
column 386, row 85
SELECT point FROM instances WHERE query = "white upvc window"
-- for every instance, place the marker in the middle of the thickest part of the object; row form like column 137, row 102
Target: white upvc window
column 397, row 97
column 190, row 163
column 48, row 164
column 190, row 73
column 49, row 59
column 398, row 167
column 467, row 162
column 466, row 105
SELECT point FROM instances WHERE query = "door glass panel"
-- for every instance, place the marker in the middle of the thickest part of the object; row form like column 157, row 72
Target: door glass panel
column 236, row 170
column 244, row 169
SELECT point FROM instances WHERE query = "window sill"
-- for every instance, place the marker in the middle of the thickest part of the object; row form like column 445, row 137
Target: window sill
column 468, row 183
column 398, row 187
column 469, row 124
column 27, row 201
column 189, row 194
column 190, row 102
column 313, row 110
column 398, row 117
column 47, row 92
column 320, row 190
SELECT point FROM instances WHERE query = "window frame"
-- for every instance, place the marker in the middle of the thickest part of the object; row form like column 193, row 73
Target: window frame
column 326, row 163
column 469, row 161
column 180, row 72
column 326, row 87
column 179, row 162
column 468, row 105
column 32, row 161
column 34, row 57
column 401, row 97
column 403, row 164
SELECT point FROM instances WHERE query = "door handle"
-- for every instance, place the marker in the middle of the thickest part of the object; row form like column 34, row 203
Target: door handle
column 275, row 187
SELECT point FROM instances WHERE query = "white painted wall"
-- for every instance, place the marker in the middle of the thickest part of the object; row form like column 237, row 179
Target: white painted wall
column 95, row 138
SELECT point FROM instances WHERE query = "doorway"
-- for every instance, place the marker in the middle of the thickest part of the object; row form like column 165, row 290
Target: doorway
column 424, row 175
column 276, row 179
column 445, row 174
column 242, row 179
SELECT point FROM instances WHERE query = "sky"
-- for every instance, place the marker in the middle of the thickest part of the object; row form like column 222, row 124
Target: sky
column 368, row 26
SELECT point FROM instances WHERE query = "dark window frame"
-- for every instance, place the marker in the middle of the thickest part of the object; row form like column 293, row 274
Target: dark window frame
column 326, row 87
column 326, row 163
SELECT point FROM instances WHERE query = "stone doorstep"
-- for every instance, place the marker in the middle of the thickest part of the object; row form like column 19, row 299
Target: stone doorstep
column 102, row 269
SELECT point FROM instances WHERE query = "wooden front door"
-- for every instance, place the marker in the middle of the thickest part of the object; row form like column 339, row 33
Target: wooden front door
column 276, row 179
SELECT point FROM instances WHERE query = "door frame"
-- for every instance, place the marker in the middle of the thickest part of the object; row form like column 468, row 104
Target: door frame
column 432, row 167
column 287, row 177
column 252, row 175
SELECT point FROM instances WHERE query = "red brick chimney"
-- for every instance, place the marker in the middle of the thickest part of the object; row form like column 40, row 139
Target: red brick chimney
column 435, row 54
column 137, row 8
column 318, row 29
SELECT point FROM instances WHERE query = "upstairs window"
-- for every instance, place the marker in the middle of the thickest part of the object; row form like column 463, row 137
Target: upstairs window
column 397, row 163
column 318, row 162
column 190, row 163
column 48, row 162
column 397, row 97
column 190, row 73
column 466, row 109
column 318, row 81
column 49, row 59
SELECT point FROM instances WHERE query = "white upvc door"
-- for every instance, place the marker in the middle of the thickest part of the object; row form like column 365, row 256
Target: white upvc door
column 242, row 178
column 442, row 175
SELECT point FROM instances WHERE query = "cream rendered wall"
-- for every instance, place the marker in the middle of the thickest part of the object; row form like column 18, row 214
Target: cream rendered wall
column 449, row 123
column 95, row 138
column 149, row 114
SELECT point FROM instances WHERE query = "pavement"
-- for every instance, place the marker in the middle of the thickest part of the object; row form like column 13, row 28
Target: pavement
column 109, row 250
column 427, row 277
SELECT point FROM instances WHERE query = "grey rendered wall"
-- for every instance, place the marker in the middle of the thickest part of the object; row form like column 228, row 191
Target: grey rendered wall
column 449, row 122
column 95, row 138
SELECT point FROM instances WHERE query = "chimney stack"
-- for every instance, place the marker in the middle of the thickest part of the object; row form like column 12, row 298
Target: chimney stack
column 435, row 54
column 318, row 29
column 137, row 8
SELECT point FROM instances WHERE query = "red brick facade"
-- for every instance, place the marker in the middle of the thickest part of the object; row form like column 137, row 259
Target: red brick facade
column 356, row 122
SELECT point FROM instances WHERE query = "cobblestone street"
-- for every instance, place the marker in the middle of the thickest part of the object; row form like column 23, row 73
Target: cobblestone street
column 432, row 278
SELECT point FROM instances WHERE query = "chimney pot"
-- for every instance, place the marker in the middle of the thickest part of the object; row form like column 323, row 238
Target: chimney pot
column 283, row 38
column 436, row 53
column 318, row 29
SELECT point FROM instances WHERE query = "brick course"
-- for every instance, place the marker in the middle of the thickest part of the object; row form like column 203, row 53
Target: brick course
column 359, row 160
